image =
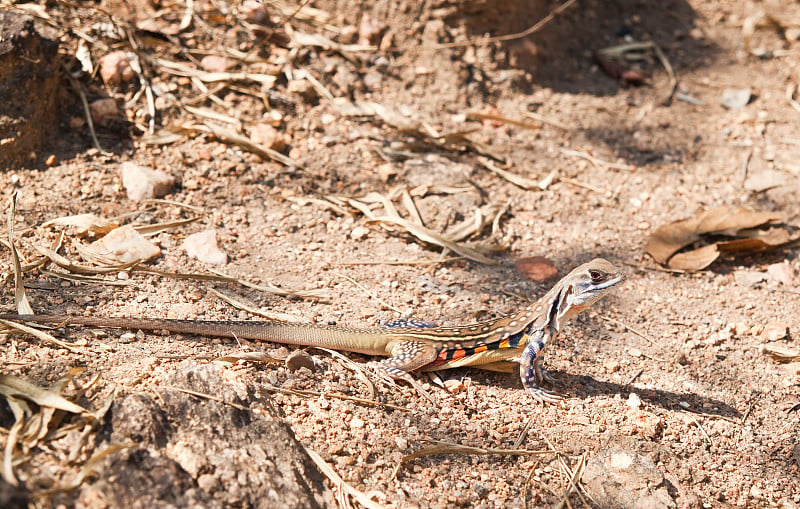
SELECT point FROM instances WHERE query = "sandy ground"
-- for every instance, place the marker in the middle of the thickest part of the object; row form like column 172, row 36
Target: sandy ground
column 671, row 366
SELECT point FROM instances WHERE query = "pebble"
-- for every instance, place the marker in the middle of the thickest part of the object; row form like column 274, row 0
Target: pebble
column 143, row 183
column 634, row 401
column 125, row 245
column 355, row 423
column 255, row 12
column 781, row 272
column 622, row 478
column 454, row 386
column 203, row 246
column 115, row 68
column 369, row 30
column 267, row 136
column 214, row 63
column 302, row 88
column 775, row 331
column 104, row 111
column 537, row 268
column 401, row 443
column 735, row 98
column 359, row 233
column 299, row 359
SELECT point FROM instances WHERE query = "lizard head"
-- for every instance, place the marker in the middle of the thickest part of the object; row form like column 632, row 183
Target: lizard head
column 587, row 284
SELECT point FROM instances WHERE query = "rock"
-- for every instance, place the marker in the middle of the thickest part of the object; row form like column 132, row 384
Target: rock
column 302, row 88
column 749, row 277
column 115, row 68
column 537, row 268
column 775, row 331
column 214, row 63
column 370, row 30
column 267, row 136
column 348, row 34
column 359, row 233
column 29, row 69
column 454, row 385
column 104, row 111
column 646, row 424
column 760, row 181
column 782, row 273
column 634, row 401
column 624, row 479
column 735, row 98
column 125, row 245
column 143, row 183
column 188, row 447
column 255, row 12
column 299, row 359
column 203, row 246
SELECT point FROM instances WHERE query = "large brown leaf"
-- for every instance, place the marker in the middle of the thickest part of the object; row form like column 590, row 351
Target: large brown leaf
column 747, row 225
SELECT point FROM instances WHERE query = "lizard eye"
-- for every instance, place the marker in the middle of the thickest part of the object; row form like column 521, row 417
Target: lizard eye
column 597, row 276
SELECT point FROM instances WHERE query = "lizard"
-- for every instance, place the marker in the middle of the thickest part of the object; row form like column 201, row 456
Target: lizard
column 412, row 346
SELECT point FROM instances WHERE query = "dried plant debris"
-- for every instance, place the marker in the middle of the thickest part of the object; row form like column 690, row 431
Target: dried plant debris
column 764, row 19
column 34, row 410
column 724, row 230
column 391, row 219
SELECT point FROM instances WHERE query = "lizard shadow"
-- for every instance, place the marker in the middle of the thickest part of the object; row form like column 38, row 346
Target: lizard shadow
column 585, row 386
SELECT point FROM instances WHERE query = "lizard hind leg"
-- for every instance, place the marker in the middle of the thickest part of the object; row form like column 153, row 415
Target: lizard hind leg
column 406, row 356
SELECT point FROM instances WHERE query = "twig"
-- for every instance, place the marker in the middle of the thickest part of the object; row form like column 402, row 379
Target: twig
column 634, row 377
column 509, row 37
column 747, row 412
column 208, row 396
column 584, row 185
column 746, row 164
column 600, row 163
column 397, row 262
column 635, row 331
column 548, row 121
column 86, row 110
column 702, row 429
column 340, row 484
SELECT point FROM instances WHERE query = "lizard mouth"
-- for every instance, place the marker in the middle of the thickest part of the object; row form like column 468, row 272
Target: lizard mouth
column 617, row 279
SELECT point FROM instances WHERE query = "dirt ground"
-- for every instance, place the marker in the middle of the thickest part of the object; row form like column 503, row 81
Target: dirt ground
column 671, row 366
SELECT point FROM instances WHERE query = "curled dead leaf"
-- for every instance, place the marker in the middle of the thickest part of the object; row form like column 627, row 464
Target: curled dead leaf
column 752, row 231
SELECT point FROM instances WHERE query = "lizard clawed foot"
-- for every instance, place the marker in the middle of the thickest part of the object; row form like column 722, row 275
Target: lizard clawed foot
column 390, row 375
column 543, row 395
column 542, row 375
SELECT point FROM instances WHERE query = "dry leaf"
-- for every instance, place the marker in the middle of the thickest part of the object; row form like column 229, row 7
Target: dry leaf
column 84, row 224
column 747, row 225
column 17, row 387
column 697, row 259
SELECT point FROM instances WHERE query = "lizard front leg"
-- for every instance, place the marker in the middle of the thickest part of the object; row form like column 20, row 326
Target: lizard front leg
column 531, row 371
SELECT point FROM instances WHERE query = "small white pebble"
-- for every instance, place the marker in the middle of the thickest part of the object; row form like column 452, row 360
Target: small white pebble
column 355, row 422
column 634, row 401
column 359, row 232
